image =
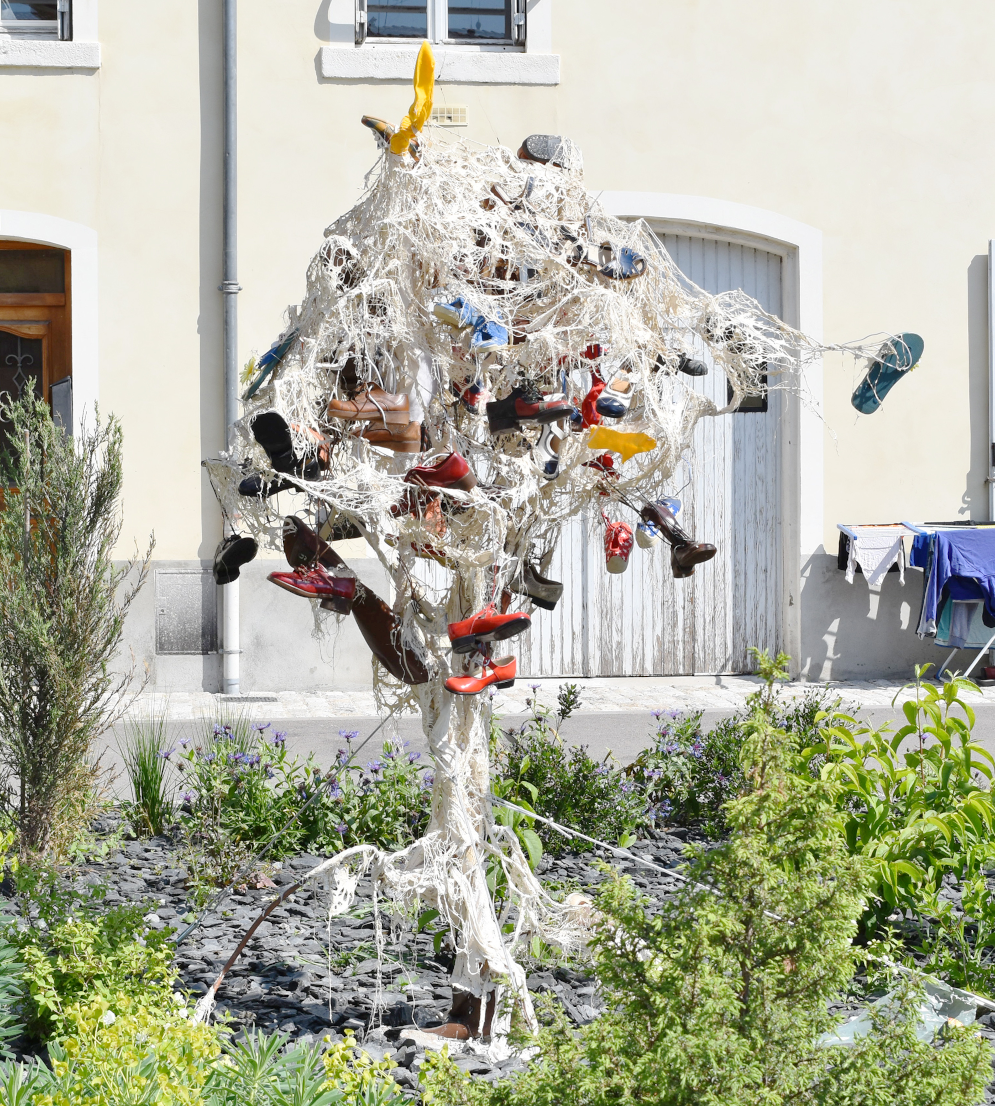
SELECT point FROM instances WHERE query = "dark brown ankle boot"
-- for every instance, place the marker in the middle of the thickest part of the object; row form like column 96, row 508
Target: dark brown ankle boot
column 685, row 553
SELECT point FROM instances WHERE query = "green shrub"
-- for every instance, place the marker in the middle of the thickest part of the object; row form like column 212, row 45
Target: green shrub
column 689, row 775
column 76, row 949
column 922, row 818
column 241, row 788
column 720, row 999
column 121, row 1052
column 62, row 610
column 564, row 783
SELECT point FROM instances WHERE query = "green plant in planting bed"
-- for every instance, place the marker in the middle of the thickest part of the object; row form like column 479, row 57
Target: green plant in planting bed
column 74, row 948
column 152, row 789
column 689, row 775
column 247, row 792
column 917, row 804
column 563, row 783
column 722, row 998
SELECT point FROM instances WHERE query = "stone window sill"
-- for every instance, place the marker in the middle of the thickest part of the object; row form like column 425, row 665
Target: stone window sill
column 40, row 53
column 456, row 65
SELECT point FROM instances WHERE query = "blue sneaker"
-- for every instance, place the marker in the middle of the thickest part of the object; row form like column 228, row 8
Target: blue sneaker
column 488, row 336
column 458, row 314
column 648, row 534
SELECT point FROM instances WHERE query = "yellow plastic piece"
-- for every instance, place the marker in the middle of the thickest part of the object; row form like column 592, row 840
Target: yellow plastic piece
column 421, row 108
column 618, row 441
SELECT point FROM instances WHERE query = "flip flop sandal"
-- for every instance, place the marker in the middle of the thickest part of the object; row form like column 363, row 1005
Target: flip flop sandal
column 897, row 357
column 620, row 264
column 269, row 362
column 547, row 149
column 616, row 397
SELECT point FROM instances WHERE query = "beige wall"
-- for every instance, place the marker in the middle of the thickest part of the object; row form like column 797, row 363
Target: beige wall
column 868, row 119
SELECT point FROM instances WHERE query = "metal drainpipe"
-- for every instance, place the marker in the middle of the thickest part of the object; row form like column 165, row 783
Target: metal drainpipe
column 230, row 289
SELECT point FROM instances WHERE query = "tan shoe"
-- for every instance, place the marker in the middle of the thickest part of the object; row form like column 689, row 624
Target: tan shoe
column 372, row 403
column 401, row 439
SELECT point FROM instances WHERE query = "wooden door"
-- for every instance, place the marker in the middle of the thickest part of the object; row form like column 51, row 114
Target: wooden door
column 643, row 621
column 35, row 318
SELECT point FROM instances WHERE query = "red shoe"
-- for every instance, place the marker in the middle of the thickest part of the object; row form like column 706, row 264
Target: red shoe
column 486, row 625
column 448, row 472
column 605, row 464
column 618, row 546
column 313, row 582
column 588, row 409
column 501, row 673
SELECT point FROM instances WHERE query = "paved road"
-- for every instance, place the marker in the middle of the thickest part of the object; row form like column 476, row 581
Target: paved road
column 623, row 733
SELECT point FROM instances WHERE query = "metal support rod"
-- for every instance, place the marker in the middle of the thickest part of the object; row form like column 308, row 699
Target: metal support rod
column 230, row 289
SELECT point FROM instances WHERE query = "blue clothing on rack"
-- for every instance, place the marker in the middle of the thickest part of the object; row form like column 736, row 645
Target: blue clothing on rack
column 919, row 556
column 966, row 552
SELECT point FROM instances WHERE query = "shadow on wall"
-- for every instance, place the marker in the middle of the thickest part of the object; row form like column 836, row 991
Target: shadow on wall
column 850, row 632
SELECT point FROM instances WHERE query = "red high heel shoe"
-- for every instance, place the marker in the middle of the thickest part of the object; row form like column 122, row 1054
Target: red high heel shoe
column 501, row 673
column 486, row 625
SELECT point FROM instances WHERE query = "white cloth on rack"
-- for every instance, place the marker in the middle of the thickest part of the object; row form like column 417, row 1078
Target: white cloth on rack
column 876, row 549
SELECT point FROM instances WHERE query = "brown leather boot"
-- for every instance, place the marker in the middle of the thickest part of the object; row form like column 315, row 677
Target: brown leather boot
column 377, row 623
column 464, row 1018
column 685, row 553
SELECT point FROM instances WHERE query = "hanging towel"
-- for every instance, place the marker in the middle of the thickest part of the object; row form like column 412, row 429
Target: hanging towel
column 965, row 552
column 876, row 549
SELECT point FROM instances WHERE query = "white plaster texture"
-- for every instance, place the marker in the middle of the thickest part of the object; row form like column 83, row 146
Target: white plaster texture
column 40, row 53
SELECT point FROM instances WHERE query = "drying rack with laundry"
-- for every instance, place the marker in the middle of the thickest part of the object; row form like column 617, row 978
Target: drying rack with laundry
column 958, row 563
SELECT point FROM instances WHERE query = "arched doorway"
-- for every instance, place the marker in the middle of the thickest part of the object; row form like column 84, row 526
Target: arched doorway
column 36, row 325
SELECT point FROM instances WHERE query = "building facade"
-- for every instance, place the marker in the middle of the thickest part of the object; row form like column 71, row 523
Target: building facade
column 827, row 158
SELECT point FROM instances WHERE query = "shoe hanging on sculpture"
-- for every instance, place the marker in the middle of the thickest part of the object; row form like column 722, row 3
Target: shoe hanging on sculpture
column 895, row 360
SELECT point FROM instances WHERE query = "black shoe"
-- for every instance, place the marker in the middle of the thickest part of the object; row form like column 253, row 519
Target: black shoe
column 233, row 552
column 686, row 365
column 691, row 367
column 525, row 405
column 271, row 431
column 259, row 488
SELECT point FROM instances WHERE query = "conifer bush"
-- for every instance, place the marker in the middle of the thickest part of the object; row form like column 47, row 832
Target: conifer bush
column 62, row 609
column 722, row 997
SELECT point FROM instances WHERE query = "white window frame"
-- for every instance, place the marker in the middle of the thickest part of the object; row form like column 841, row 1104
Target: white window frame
column 28, row 49
column 352, row 56
column 59, row 29
column 437, row 26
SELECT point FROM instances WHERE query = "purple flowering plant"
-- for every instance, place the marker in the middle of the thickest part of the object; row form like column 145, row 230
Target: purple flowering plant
column 538, row 771
column 243, row 786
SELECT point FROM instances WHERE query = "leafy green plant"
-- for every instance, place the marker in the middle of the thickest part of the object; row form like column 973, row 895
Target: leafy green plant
column 242, row 789
column 11, row 989
column 151, row 808
column 771, row 670
column 564, row 784
column 74, row 949
column 62, row 608
column 688, row 775
column 722, row 997
column 922, row 816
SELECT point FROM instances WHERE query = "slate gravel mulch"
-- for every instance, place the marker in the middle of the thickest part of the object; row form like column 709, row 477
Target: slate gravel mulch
column 311, row 977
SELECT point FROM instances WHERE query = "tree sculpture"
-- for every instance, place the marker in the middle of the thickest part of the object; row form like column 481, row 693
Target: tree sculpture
column 481, row 353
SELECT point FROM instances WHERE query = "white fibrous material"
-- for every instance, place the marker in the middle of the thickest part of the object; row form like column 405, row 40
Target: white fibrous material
column 505, row 235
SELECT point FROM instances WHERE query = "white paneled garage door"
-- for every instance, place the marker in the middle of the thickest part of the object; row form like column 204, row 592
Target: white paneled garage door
column 644, row 622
